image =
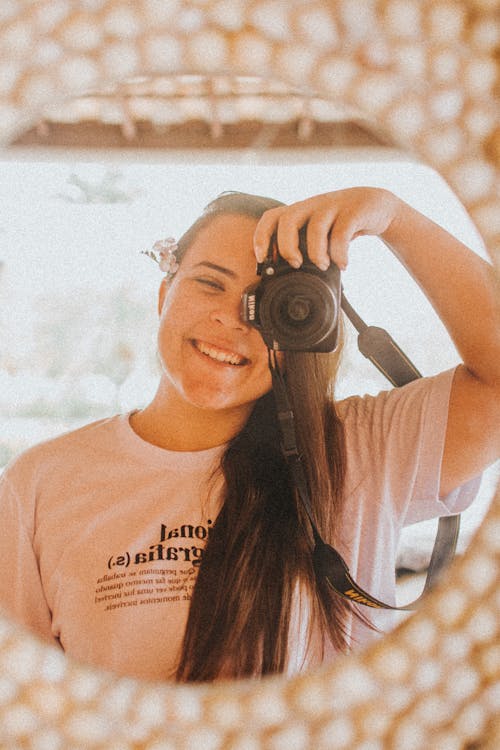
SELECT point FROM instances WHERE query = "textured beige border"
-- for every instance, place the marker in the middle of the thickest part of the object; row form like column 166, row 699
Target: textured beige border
column 426, row 70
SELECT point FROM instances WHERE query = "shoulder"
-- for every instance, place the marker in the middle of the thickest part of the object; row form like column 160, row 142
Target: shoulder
column 64, row 449
column 394, row 445
column 46, row 472
column 388, row 409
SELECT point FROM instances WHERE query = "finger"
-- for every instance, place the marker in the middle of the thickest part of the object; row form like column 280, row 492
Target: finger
column 341, row 235
column 288, row 238
column 264, row 231
column 318, row 230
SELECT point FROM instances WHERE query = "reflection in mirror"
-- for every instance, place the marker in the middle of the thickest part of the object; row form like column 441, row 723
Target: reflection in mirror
column 79, row 326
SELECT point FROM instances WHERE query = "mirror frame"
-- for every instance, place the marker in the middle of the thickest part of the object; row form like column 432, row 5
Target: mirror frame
column 428, row 72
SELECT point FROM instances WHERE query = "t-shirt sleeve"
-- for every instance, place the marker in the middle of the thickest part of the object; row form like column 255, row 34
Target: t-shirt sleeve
column 21, row 593
column 395, row 441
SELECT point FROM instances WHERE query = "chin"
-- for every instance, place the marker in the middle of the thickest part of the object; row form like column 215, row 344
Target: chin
column 219, row 405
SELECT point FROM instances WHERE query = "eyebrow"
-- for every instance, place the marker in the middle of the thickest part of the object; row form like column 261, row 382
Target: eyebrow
column 215, row 267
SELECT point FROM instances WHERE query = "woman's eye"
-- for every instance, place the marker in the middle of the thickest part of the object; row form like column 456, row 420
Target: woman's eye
column 210, row 283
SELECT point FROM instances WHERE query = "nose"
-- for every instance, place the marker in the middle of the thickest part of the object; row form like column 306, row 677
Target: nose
column 229, row 315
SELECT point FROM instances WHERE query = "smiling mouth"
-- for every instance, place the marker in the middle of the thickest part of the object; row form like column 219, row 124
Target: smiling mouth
column 227, row 358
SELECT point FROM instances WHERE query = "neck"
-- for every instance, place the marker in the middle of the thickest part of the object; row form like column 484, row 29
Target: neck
column 175, row 425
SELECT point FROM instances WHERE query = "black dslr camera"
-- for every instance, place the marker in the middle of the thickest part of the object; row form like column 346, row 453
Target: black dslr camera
column 294, row 309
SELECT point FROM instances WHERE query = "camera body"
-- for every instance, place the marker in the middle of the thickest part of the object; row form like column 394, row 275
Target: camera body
column 294, row 309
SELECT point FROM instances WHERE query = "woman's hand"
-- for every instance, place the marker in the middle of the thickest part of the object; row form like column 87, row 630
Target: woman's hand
column 333, row 220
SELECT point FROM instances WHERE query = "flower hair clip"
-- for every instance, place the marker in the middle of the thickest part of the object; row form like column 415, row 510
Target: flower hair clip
column 163, row 253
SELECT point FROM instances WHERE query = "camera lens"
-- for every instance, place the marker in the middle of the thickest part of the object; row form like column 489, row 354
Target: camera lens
column 299, row 310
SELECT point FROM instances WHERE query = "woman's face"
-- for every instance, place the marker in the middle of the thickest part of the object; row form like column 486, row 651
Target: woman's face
column 211, row 359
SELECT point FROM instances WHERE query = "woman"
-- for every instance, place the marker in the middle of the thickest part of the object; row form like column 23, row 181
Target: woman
column 169, row 543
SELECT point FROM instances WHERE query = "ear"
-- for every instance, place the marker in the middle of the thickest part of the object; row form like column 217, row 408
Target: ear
column 162, row 293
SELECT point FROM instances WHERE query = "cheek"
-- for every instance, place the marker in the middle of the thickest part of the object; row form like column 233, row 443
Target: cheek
column 167, row 339
column 174, row 315
column 264, row 378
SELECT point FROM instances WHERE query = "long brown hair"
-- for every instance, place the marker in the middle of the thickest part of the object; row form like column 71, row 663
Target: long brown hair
column 258, row 554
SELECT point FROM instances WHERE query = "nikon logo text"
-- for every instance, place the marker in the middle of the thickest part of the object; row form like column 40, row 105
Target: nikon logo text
column 251, row 307
column 360, row 599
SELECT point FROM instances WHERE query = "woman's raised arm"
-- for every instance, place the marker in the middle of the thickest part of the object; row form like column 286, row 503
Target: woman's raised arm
column 461, row 287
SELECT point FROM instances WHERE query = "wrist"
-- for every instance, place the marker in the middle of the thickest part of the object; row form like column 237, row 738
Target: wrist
column 400, row 221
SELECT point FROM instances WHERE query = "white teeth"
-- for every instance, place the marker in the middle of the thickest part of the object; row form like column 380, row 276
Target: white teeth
column 231, row 359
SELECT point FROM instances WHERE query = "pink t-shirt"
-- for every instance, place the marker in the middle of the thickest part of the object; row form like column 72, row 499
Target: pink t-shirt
column 102, row 533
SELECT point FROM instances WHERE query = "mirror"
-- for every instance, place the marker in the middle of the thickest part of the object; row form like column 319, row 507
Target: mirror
column 377, row 696
column 57, row 372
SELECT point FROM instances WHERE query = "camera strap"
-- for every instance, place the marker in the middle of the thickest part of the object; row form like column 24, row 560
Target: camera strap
column 380, row 348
